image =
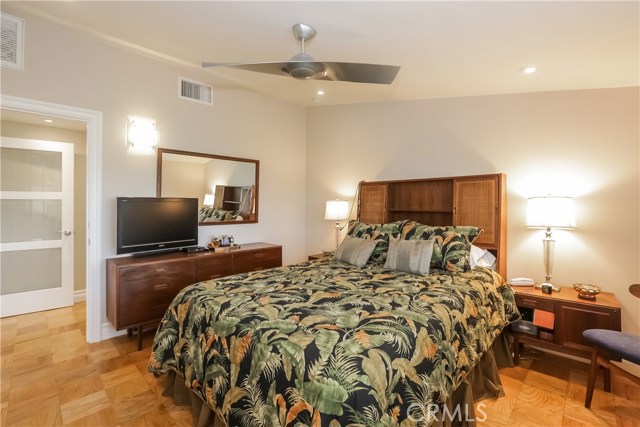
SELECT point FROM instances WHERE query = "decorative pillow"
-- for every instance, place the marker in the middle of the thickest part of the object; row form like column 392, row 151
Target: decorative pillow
column 456, row 251
column 204, row 213
column 380, row 232
column 412, row 256
column 355, row 251
column 470, row 231
column 218, row 214
column 451, row 250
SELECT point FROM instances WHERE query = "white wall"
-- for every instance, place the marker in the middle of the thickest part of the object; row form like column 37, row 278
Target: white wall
column 580, row 143
column 70, row 69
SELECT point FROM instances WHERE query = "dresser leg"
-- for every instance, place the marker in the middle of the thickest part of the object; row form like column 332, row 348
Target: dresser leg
column 139, row 337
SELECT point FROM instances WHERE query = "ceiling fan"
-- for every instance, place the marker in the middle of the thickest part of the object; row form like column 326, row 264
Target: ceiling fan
column 303, row 66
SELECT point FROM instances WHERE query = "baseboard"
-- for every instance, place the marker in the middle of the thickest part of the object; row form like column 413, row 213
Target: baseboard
column 109, row 332
column 79, row 296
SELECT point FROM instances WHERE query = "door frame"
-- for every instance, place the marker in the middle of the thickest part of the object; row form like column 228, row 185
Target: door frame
column 95, row 273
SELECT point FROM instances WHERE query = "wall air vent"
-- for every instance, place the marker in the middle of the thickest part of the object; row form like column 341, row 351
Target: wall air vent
column 195, row 91
column 12, row 35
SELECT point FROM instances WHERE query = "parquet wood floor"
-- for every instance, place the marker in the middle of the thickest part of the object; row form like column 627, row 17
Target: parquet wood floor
column 51, row 377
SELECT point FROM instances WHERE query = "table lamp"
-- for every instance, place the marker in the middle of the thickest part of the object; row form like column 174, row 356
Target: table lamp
column 337, row 210
column 550, row 212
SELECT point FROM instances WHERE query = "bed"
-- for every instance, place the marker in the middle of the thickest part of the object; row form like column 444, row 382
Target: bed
column 342, row 342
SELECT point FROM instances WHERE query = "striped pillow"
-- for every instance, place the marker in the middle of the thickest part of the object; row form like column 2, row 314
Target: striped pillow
column 355, row 251
column 411, row 256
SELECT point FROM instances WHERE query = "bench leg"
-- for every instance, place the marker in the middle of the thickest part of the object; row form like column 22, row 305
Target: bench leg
column 607, row 379
column 591, row 382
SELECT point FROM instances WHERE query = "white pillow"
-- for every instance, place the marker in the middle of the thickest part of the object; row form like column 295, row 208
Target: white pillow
column 411, row 256
column 481, row 258
column 355, row 251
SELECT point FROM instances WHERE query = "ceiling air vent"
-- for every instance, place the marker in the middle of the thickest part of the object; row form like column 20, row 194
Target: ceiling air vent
column 195, row 91
column 12, row 31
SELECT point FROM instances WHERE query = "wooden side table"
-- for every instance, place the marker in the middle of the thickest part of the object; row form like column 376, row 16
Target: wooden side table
column 572, row 317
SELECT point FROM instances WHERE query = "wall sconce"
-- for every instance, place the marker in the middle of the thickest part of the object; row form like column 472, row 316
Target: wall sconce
column 142, row 133
column 337, row 210
column 550, row 212
column 208, row 200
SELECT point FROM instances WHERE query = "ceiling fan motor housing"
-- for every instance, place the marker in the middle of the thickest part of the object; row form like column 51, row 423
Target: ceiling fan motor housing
column 303, row 67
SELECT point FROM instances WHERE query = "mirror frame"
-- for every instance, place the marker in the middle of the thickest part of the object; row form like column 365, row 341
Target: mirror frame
column 162, row 151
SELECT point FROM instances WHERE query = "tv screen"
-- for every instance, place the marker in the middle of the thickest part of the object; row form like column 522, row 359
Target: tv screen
column 156, row 223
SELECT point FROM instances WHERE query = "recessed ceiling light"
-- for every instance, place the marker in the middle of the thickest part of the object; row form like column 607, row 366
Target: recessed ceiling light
column 48, row 121
column 529, row 70
column 320, row 92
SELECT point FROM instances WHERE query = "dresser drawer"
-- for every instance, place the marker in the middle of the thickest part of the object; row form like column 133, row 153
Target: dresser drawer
column 156, row 287
column 534, row 302
column 257, row 260
column 166, row 270
column 213, row 267
column 138, row 312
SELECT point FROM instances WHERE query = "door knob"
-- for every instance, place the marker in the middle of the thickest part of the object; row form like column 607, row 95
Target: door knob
column 65, row 232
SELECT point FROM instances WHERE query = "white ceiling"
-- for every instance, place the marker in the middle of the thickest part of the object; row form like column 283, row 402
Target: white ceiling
column 445, row 49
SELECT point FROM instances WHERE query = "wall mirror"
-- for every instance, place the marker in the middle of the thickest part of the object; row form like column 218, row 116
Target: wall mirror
column 226, row 187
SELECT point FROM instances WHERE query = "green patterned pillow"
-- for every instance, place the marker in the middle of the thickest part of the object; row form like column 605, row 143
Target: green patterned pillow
column 355, row 251
column 451, row 250
column 376, row 232
column 470, row 231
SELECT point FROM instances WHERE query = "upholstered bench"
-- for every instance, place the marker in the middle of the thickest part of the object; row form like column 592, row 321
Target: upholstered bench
column 611, row 345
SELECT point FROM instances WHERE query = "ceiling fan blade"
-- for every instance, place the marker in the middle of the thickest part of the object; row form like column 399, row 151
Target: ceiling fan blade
column 361, row 73
column 334, row 71
column 260, row 67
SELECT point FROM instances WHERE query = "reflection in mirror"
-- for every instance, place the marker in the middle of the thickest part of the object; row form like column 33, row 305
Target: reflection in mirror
column 226, row 187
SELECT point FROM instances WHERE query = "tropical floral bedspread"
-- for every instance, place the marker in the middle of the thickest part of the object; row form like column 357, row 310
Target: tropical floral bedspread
column 324, row 343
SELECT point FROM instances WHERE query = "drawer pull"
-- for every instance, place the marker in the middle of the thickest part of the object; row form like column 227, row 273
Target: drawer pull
column 161, row 270
column 160, row 287
column 529, row 301
column 215, row 276
column 259, row 255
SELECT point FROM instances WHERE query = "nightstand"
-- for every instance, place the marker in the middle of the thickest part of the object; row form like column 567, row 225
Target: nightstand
column 316, row 257
column 572, row 317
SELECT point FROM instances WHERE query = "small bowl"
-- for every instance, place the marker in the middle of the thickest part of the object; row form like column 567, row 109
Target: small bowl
column 587, row 291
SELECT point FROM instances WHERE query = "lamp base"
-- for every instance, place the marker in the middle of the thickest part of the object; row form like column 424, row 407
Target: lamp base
column 553, row 287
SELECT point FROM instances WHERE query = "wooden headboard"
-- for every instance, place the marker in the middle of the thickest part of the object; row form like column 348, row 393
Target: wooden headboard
column 478, row 200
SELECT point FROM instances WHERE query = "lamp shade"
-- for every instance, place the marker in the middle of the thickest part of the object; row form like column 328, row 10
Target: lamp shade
column 208, row 200
column 336, row 210
column 142, row 132
column 551, row 211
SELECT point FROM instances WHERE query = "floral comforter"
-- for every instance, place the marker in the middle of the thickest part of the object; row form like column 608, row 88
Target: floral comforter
column 324, row 343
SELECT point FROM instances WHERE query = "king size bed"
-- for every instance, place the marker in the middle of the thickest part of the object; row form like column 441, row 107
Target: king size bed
column 365, row 338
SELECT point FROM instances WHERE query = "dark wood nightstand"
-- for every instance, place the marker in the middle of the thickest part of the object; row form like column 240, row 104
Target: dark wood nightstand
column 572, row 317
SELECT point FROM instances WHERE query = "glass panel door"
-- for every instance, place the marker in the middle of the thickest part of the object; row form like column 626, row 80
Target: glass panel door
column 36, row 219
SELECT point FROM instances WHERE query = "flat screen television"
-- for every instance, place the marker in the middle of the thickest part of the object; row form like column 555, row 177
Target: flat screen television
column 156, row 224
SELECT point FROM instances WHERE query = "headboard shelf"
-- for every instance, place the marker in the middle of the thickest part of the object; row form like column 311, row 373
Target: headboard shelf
column 478, row 200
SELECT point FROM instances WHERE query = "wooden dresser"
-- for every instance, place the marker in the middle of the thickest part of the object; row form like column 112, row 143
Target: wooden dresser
column 572, row 317
column 139, row 289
